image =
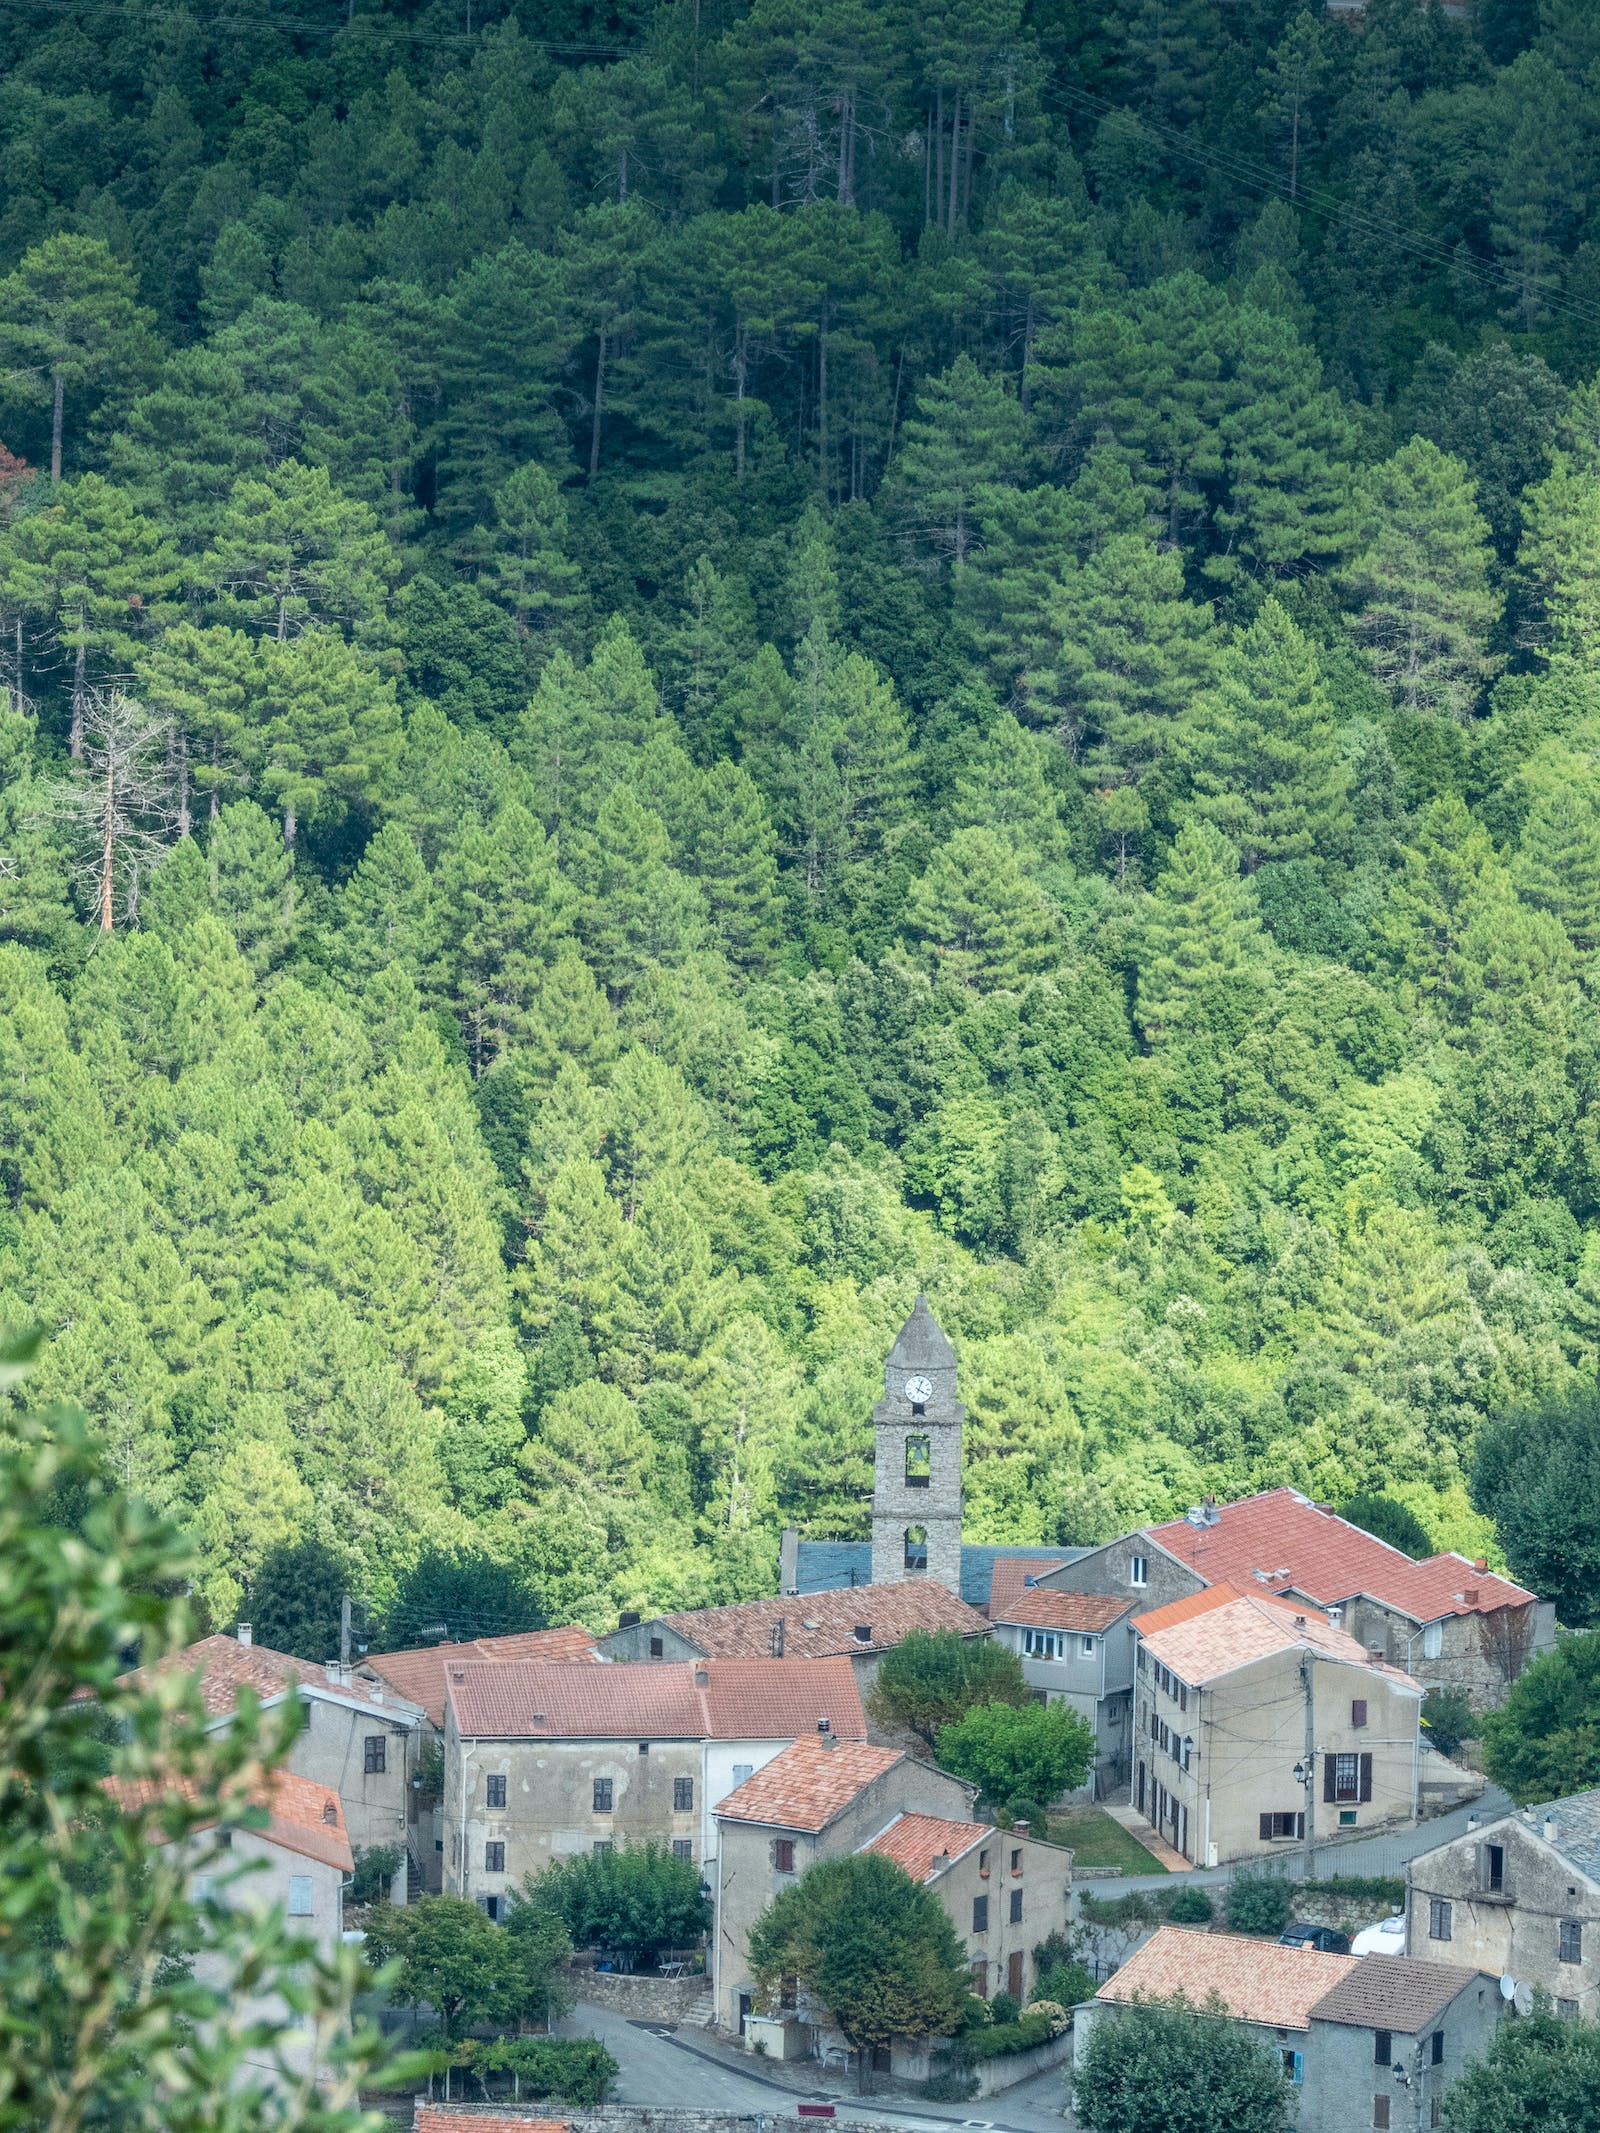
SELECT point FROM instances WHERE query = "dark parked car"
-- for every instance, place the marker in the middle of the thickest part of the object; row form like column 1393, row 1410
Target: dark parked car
column 1324, row 1938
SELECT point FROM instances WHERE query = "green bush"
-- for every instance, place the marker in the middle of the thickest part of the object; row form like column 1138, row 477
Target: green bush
column 1448, row 1717
column 1004, row 2007
column 376, row 1867
column 636, row 1900
column 1359, row 1888
column 577, row 2069
column 975, row 2045
column 1069, row 1984
column 1189, row 1907
column 1258, row 1903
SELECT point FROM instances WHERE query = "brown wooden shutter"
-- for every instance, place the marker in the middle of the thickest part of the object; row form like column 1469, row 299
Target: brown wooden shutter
column 1358, row 1712
column 1328, row 1768
column 1366, row 1777
column 1266, row 1828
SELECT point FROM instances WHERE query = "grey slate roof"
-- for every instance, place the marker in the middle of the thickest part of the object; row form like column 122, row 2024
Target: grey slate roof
column 920, row 1344
column 1577, row 1821
column 825, row 1566
column 1392, row 1992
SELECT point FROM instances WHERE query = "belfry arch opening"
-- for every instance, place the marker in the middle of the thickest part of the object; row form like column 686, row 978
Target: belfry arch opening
column 919, row 1460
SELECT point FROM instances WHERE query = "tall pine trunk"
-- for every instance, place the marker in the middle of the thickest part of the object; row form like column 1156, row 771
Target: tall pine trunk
column 599, row 394
column 55, row 429
column 955, row 165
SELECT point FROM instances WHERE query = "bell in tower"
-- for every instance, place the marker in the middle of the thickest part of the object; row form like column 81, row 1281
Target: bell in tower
column 916, row 1487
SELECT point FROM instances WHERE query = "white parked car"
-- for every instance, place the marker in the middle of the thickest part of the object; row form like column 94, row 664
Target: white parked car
column 1387, row 1937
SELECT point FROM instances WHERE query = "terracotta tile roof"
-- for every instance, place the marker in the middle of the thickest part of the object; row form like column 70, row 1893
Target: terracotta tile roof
column 1281, row 1541
column 1256, row 1980
column 1393, row 1992
column 419, row 1674
column 1046, row 1607
column 1237, row 1629
column 920, row 1843
column 709, row 1699
column 302, row 1816
column 226, row 1666
column 824, row 1624
column 807, row 1784
column 447, row 2118
column 1185, row 1610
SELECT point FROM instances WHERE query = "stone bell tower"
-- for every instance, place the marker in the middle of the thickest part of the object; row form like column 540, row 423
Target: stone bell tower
column 916, row 1486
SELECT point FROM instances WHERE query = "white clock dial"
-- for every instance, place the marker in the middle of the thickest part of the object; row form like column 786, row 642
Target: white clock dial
column 919, row 1391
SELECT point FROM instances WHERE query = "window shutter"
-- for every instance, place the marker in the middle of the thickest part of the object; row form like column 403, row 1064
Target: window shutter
column 1328, row 1768
column 1266, row 1827
column 1366, row 1777
column 1358, row 1712
column 1300, row 1827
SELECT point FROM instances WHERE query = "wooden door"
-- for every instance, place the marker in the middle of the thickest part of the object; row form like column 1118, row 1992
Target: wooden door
column 1014, row 1974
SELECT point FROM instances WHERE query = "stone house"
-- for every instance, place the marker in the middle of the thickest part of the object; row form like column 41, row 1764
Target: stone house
column 859, row 1625
column 1366, row 2040
column 1448, row 1622
column 1519, row 1897
column 1076, row 1648
column 1258, row 1725
column 543, row 1760
column 358, row 1737
column 1004, row 1892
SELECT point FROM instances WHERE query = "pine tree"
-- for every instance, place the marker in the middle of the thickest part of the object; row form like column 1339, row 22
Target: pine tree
column 702, row 654
column 1201, row 938
column 73, row 322
column 387, row 913
column 1003, row 787
column 1559, row 564
column 735, row 859
column 1422, row 578
column 249, row 872
column 526, row 566
column 1264, row 751
column 966, row 433
column 1557, row 862
column 982, row 922
column 292, row 554
column 638, row 910
column 329, row 731
column 206, row 683
column 504, row 917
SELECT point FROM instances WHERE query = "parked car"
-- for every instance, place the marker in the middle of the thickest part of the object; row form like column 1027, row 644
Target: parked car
column 1324, row 1938
column 1387, row 1937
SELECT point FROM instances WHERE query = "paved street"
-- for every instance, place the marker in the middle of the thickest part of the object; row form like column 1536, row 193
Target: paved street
column 659, row 2067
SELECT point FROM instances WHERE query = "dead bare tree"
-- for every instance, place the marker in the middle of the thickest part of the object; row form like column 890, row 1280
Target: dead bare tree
column 118, row 802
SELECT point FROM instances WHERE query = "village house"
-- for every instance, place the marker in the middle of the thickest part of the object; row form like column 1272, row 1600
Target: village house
column 546, row 1759
column 358, row 1737
column 1448, row 1622
column 1076, row 1648
column 1258, row 1724
column 1372, row 2040
column 1004, row 1891
column 859, row 1625
column 1520, row 1897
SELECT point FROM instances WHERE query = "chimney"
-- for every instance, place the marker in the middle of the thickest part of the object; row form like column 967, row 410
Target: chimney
column 330, row 1668
column 775, row 1638
column 1375, row 1654
column 702, row 1680
column 245, row 1633
column 1549, row 1830
column 863, row 1633
column 628, row 1619
column 1473, row 1821
column 789, row 1561
column 330, row 1812
column 1480, row 1563
column 1470, row 1595
column 1299, row 1621
column 826, row 1733
column 1335, row 1617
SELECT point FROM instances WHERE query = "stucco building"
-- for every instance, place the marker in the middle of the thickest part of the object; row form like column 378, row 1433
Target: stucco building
column 1004, row 1892
column 1258, row 1724
column 1076, row 1648
column 544, row 1760
column 1370, row 2040
column 1519, row 1897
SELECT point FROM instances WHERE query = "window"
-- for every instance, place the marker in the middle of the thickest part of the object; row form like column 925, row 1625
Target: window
column 1346, row 1776
column 1348, row 1818
column 1294, row 2067
column 494, row 1858
column 1138, row 1570
column 375, row 1756
column 1287, row 1827
column 916, row 1547
column 1016, row 1907
column 1567, row 2010
column 980, row 1914
column 1436, row 2054
column 1571, row 1941
column 1382, row 2047
column 1433, row 1640
column 657, row 1648
column 496, row 1796
column 1016, row 1860
column 602, row 1796
column 1358, row 1712
column 1380, row 2110
column 683, row 1847
column 1494, row 1868
column 1041, row 1644
column 299, row 1895
column 983, row 1862
column 1438, row 1919
column 603, row 1844
column 683, row 1796
column 783, row 1854
column 492, row 1908
column 644, row 1747
column 741, row 1771
column 1087, row 1647
column 919, row 1463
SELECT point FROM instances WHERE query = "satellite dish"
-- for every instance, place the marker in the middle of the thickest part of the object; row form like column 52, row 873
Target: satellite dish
column 1522, row 1999
column 1508, row 1987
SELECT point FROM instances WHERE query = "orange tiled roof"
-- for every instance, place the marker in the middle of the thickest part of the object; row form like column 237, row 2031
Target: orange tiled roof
column 807, row 1784
column 302, row 1816
column 1185, row 1610
column 1256, row 1980
column 921, row 1843
column 822, row 1625
column 420, row 1673
column 703, row 1699
column 1239, row 1628
column 1010, row 1579
column 226, row 1666
column 1281, row 1541
column 1082, row 1614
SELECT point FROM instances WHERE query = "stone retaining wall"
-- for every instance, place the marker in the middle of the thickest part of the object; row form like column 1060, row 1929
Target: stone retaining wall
column 994, row 2075
column 631, row 2118
column 654, row 1999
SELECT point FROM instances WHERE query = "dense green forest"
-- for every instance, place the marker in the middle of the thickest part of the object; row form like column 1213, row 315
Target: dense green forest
column 673, row 668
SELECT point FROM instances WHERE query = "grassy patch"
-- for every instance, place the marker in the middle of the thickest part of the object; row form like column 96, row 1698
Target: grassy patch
column 1097, row 1843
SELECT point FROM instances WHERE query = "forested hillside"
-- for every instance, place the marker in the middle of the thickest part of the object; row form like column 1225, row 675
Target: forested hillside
column 673, row 669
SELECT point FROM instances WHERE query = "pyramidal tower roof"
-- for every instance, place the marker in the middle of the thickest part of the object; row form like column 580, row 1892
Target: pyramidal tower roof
column 920, row 1345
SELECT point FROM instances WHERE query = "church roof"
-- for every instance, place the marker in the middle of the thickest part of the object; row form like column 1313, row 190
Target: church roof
column 828, row 1566
column 920, row 1344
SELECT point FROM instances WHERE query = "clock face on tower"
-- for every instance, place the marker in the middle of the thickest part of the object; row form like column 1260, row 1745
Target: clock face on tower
column 919, row 1391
